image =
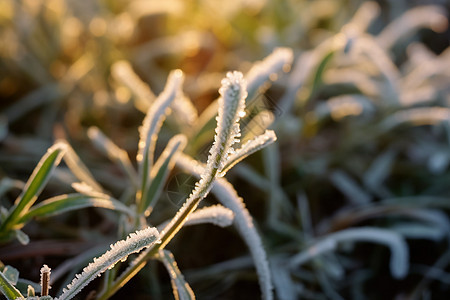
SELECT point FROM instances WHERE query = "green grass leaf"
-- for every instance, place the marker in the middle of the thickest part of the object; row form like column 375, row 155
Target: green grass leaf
column 7, row 288
column 69, row 202
column 160, row 171
column 34, row 186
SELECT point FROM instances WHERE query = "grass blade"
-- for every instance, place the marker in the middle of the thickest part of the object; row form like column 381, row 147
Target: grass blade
column 160, row 172
column 69, row 202
column 181, row 289
column 135, row 242
column 243, row 221
column 249, row 148
column 152, row 124
column 114, row 153
column 399, row 248
column 216, row 214
column 35, row 185
column 7, row 288
column 79, row 169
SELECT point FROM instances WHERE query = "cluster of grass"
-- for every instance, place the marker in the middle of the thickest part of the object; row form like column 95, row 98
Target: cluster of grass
column 353, row 195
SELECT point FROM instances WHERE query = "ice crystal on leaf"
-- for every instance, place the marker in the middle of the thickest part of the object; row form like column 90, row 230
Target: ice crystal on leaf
column 135, row 242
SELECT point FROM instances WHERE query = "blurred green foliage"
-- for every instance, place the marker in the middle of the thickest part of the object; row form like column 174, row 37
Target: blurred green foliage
column 361, row 119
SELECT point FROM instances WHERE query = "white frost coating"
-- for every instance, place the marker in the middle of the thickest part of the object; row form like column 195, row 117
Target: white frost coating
column 45, row 276
column 184, row 110
column 352, row 76
column 399, row 263
column 104, row 144
column 123, row 71
column 78, row 168
column 153, row 121
column 367, row 46
column 250, row 147
column 364, row 16
column 181, row 289
column 430, row 16
column 279, row 59
column 231, row 105
column 420, row 74
column 135, row 242
column 216, row 214
column 86, row 189
column 417, row 116
column 114, row 152
column 226, row 194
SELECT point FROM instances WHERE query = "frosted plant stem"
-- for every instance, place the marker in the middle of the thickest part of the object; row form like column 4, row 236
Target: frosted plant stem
column 118, row 252
column 231, row 107
column 226, row 194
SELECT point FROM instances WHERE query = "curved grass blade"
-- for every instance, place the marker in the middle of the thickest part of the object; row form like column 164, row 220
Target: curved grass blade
column 79, row 169
column 160, row 171
column 152, row 124
column 216, row 214
column 249, row 148
column 310, row 66
column 69, row 202
column 135, row 242
column 22, row 237
column 114, row 153
column 426, row 16
column 34, row 186
column 123, row 72
column 8, row 289
column 12, row 274
column 263, row 71
column 399, row 248
column 226, row 194
column 181, row 289
column 318, row 74
column 417, row 116
column 231, row 107
column 257, row 78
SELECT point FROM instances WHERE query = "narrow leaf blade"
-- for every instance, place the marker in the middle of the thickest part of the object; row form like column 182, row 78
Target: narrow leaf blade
column 35, row 184
column 181, row 289
column 160, row 172
column 7, row 288
column 69, row 202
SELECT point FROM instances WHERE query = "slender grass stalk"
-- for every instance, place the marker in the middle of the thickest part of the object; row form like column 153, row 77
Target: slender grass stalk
column 231, row 107
column 45, row 280
column 34, row 186
column 135, row 242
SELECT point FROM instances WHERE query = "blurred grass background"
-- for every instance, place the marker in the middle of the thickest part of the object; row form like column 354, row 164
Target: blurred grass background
column 362, row 125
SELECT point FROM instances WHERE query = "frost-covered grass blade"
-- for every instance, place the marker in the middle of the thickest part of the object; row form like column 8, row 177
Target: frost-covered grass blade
column 181, row 289
column 135, row 242
column 152, row 124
